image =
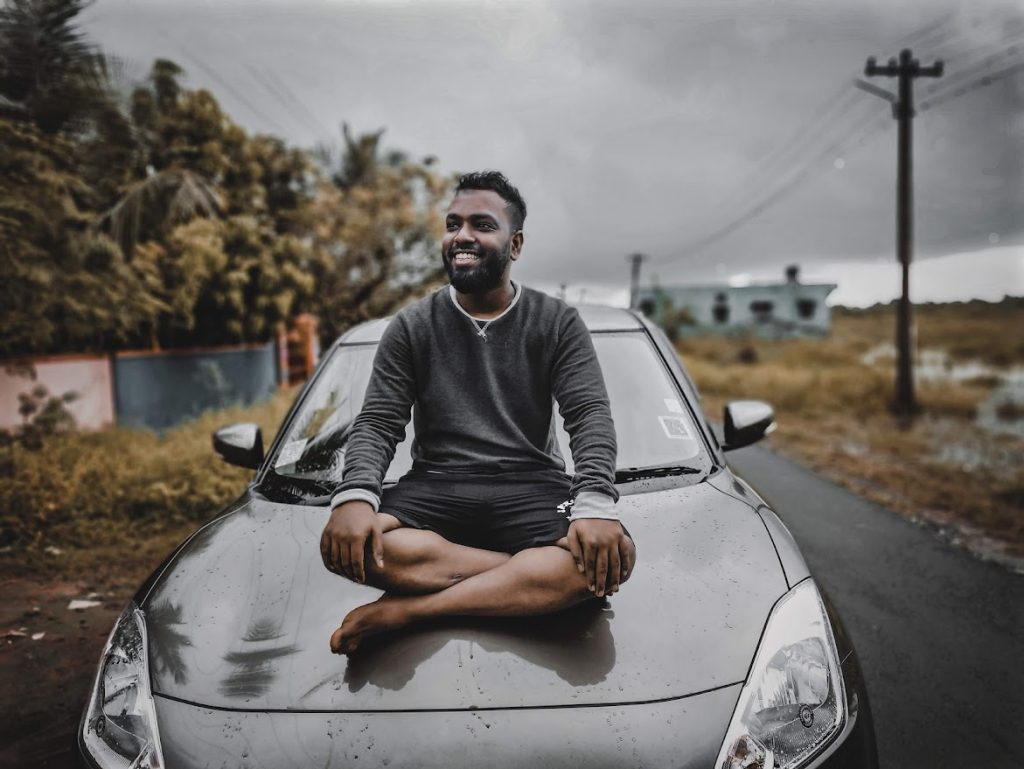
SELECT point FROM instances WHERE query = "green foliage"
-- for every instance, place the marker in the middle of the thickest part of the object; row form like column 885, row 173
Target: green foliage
column 63, row 285
column 89, row 487
column 44, row 416
column 672, row 318
column 167, row 225
column 49, row 74
column 376, row 231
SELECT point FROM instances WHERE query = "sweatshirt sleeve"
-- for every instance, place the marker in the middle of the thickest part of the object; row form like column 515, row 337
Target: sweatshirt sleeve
column 578, row 387
column 381, row 423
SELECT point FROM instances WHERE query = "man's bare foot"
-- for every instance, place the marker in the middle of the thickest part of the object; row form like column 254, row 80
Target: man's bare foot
column 386, row 613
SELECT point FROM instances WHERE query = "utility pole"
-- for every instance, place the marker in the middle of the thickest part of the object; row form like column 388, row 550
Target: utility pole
column 634, row 277
column 906, row 68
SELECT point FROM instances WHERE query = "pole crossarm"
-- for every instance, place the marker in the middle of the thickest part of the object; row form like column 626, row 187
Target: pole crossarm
column 905, row 66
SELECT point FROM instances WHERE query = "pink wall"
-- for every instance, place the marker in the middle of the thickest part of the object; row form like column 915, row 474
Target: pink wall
column 87, row 375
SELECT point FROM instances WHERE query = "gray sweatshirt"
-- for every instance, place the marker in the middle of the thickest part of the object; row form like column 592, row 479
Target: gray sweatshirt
column 480, row 393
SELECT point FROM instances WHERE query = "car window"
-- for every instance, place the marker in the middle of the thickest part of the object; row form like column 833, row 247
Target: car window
column 653, row 424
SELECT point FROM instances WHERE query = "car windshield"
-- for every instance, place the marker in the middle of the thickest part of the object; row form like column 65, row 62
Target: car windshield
column 653, row 423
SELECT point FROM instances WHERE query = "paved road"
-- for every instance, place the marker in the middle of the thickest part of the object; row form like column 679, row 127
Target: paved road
column 939, row 634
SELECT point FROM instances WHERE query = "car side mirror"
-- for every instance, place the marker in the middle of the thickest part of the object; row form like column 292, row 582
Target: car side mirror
column 240, row 444
column 747, row 422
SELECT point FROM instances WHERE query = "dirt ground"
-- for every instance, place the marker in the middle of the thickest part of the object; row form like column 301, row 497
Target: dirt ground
column 47, row 660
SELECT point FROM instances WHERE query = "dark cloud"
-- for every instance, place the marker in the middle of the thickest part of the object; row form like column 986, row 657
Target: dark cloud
column 636, row 127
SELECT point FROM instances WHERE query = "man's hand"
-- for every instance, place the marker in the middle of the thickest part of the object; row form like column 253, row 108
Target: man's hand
column 343, row 543
column 602, row 552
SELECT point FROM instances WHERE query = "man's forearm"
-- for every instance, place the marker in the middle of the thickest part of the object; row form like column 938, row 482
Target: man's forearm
column 381, row 423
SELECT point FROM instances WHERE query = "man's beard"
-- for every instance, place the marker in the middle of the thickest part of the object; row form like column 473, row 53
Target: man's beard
column 483, row 276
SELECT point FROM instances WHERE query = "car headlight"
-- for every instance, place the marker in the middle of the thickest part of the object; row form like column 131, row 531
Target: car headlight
column 793, row 703
column 119, row 729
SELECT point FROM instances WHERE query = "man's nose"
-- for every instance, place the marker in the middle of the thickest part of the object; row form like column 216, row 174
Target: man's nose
column 464, row 234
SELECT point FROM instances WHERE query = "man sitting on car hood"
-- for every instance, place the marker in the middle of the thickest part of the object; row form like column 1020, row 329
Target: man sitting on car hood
column 487, row 522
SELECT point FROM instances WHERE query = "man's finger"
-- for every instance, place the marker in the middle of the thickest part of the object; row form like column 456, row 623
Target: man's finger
column 573, row 540
column 334, row 555
column 377, row 544
column 325, row 551
column 357, row 551
column 628, row 558
column 344, row 560
column 601, row 572
column 590, row 566
column 614, row 570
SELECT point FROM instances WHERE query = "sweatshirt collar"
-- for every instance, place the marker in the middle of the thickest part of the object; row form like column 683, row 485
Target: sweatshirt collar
column 515, row 298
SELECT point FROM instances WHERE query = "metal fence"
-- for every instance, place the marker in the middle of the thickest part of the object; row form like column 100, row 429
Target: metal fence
column 155, row 389
column 159, row 390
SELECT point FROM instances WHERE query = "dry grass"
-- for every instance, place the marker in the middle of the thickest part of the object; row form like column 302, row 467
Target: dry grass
column 105, row 498
column 974, row 330
column 834, row 413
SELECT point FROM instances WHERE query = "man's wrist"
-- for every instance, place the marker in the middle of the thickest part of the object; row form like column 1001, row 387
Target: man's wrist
column 593, row 504
column 361, row 495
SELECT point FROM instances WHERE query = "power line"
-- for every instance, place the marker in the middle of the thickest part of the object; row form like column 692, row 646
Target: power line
column 982, row 82
column 272, row 91
column 869, row 127
column 833, row 108
column 970, row 72
column 290, row 96
column 226, row 85
column 925, row 32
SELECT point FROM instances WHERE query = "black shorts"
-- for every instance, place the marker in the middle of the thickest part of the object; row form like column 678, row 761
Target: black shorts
column 507, row 512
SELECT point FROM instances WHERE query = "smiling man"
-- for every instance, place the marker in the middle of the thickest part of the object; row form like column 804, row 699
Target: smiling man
column 487, row 522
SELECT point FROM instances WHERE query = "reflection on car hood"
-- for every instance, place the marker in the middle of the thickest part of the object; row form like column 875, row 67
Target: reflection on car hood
column 242, row 617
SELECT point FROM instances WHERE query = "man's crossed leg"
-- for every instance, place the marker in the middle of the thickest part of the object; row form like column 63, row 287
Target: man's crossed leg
column 425, row 575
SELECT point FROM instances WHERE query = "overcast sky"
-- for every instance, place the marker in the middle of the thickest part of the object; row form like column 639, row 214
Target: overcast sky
column 653, row 127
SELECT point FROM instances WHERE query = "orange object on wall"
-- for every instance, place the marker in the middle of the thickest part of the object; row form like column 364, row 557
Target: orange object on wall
column 303, row 348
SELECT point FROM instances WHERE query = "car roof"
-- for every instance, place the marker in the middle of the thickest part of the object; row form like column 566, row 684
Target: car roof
column 597, row 317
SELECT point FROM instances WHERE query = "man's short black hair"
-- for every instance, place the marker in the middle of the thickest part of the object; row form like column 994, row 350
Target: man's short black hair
column 496, row 181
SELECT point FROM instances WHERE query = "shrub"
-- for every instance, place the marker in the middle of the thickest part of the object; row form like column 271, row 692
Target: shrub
column 83, row 488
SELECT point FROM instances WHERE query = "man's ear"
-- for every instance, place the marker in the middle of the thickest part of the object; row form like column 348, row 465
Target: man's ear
column 517, row 245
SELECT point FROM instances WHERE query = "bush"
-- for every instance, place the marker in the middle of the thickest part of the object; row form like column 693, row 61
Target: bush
column 83, row 489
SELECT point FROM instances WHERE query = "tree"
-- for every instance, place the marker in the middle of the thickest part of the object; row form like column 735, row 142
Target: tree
column 150, row 208
column 376, row 233
column 63, row 285
column 48, row 72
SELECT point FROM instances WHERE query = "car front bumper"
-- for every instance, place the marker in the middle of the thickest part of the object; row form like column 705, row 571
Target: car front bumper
column 683, row 733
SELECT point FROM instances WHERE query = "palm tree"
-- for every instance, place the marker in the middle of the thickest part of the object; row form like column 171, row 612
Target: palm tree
column 162, row 200
column 49, row 73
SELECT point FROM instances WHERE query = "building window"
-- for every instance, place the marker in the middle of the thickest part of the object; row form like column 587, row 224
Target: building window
column 720, row 309
column 762, row 311
column 805, row 308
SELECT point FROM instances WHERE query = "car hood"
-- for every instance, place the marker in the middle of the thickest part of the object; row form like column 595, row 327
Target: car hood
column 242, row 616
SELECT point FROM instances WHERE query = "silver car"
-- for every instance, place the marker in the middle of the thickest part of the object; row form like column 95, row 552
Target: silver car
column 721, row 651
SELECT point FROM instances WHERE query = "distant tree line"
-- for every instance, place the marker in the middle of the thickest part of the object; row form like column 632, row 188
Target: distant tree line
column 150, row 218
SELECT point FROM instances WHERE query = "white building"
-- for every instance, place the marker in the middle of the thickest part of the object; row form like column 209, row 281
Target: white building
column 772, row 310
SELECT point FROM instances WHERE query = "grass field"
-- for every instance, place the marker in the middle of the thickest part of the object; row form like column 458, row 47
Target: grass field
column 832, row 397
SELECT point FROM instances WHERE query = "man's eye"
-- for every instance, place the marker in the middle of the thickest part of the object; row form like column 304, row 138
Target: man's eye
column 452, row 225
column 485, row 226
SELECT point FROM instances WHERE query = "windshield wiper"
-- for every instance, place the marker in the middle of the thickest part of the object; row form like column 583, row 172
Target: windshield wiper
column 663, row 471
